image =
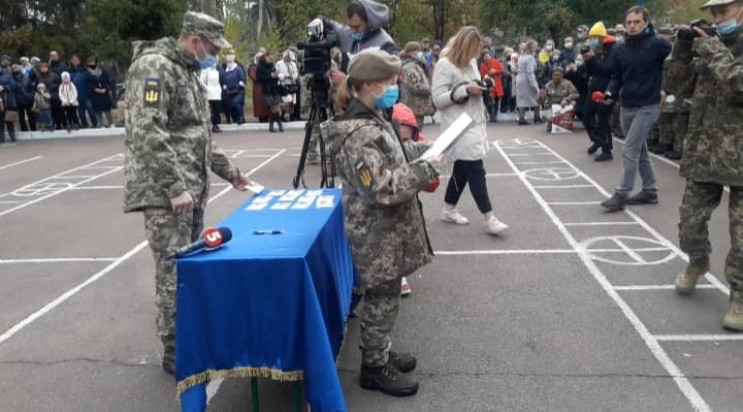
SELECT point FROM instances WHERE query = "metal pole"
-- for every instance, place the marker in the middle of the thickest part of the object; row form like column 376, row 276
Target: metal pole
column 254, row 394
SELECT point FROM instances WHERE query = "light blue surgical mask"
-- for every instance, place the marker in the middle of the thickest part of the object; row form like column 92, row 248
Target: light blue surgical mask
column 619, row 40
column 388, row 98
column 209, row 60
column 594, row 43
column 728, row 27
column 357, row 36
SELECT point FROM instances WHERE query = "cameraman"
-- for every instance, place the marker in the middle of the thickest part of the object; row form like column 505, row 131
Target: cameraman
column 637, row 71
column 363, row 31
column 712, row 146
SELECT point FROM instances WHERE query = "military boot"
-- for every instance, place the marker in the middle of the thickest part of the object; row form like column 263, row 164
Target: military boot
column 734, row 318
column 169, row 355
column 687, row 280
column 404, row 362
column 387, row 379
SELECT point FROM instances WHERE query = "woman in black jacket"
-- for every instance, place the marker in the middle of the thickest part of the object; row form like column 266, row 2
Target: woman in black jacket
column 268, row 77
column 597, row 115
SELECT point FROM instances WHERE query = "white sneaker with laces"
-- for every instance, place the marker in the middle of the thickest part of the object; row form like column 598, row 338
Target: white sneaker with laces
column 495, row 226
column 454, row 217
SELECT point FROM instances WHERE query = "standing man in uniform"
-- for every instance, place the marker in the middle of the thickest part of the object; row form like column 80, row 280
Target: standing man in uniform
column 169, row 151
column 712, row 148
column 638, row 72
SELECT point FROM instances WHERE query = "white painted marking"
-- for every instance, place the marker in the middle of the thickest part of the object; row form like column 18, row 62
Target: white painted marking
column 600, row 223
column 212, row 388
column 631, row 253
column 238, row 153
column 539, row 163
column 113, row 265
column 696, row 400
column 538, row 251
column 487, row 175
column 20, row 162
column 121, row 187
column 573, row 203
column 698, row 338
column 712, row 279
column 56, row 260
column 563, row 187
column 656, row 287
column 529, row 154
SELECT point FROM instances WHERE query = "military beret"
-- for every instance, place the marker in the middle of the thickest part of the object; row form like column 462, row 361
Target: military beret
column 207, row 26
column 373, row 65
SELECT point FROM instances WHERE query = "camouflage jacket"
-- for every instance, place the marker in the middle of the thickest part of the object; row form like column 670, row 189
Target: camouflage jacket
column 169, row 147
column 678, row 81
column 555, row 94
column 713, row 147
column 383, row 219
column 416, row 90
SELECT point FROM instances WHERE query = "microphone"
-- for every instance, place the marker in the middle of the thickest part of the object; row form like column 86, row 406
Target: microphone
column 212, row 238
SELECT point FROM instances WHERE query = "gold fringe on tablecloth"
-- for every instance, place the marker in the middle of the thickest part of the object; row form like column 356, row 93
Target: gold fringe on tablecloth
column 246, row 372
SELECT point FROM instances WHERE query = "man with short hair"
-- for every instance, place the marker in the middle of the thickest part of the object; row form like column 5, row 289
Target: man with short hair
column 637, row 70
column 169, row 152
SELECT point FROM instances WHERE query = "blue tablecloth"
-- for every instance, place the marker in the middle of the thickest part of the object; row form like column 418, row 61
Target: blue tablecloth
column 270, row 305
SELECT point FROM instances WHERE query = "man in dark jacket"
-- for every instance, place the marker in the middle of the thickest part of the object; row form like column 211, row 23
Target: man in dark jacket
column 637, row 70
column 597, row 115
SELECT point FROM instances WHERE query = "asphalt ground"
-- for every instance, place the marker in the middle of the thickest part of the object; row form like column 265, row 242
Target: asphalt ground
column 572, row 310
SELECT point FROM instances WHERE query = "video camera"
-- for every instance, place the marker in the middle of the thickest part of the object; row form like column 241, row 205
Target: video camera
column 317, row 49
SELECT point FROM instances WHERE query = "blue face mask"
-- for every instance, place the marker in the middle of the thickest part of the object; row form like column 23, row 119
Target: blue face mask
column 729, row 27
column 594, row 43
column 357, row 36
column 619, row 40
column 388, row 98
column 209, row 60
column 579, row 63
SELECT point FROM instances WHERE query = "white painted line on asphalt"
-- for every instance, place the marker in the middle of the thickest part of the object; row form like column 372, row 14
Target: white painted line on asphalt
column 656, row 287
column 698, row 338
column 712, row 279
column 539, row 163
column 487, row 175
column 57, row 190
column 601, row 223
column 56, row 260
column 629, row 251
column 238, row 153
column 113, row 265
column 20, row 162
column 529, row 154
column 10, row 202
column 121, row 187
column 573, row 203
column 696, row 400
column 563, row 187
column 539, row 251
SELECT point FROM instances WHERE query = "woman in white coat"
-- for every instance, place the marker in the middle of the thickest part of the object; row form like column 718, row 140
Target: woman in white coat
column 455, row 91
column 288, row 77
column 527, row 88
column 213, row 81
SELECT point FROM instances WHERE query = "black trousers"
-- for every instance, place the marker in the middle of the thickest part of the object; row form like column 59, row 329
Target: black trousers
column 596, row 119
column 70, row 116
column 58, row 114
column 216, row 108
column 472, row 172
column 27, row 118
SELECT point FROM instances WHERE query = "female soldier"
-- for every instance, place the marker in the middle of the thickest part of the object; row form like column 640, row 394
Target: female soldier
column 383, row 219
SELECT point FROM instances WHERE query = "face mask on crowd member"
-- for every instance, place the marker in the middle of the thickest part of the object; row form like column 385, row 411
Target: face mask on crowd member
column 209, row 59
column 727, row 18
column 549, row 45
column 556, row 56
column 579, row 61
column 568, row 43
column 356, row 21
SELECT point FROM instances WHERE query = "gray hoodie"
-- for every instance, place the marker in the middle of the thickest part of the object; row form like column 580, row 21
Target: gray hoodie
column 377, row 15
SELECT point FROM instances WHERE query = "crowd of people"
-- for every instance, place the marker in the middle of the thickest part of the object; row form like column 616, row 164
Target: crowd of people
column 54, row 95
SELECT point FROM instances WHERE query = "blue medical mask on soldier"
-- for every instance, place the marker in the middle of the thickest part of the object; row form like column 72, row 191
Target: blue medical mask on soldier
column 209, row 60
column 357, row 36
column 729, row 27
column 388, row 98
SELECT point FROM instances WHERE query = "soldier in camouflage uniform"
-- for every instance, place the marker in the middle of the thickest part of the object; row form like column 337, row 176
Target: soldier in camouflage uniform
column 169, row 151
column 712, row 147
column 416, row 90
column 558, row 91
column 383, row 219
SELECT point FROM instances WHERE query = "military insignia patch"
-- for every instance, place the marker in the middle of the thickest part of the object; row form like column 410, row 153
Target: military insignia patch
column 152, row 92
column 363, row 173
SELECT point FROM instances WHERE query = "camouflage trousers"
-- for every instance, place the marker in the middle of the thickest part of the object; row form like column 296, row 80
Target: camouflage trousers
column 167, row 231
column 699, row 201
column 672, row 128
column 378, row 313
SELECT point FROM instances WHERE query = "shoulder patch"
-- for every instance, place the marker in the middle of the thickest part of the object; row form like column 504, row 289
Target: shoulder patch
column 363, row 173
column 152, row 91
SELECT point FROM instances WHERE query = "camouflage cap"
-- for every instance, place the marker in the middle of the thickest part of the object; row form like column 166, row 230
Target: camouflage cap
column 207, row 26
column 373, row 65
column 711, row 3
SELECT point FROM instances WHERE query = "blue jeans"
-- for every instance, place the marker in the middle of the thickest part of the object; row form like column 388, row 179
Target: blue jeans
column 46, row 118
column 636, row 125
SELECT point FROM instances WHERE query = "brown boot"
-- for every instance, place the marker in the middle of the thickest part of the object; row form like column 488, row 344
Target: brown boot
column 734, row 318
column 686, row 281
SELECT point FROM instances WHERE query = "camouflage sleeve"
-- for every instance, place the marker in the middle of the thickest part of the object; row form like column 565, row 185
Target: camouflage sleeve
column 414, row 149
column 727, row 70
column 679, row 75
column 221, row 165
column 415, row 80
column 377, row 183
column 149, row 89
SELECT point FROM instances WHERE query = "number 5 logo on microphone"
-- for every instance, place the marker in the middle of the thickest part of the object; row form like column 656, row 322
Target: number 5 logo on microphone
column 213, row 238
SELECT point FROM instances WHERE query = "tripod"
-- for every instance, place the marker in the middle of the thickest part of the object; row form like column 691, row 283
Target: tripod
column 321, row 106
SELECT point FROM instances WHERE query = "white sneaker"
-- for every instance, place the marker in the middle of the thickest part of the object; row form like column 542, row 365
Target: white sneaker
column 495, row 226
column 454, row 217
column 405, row 287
